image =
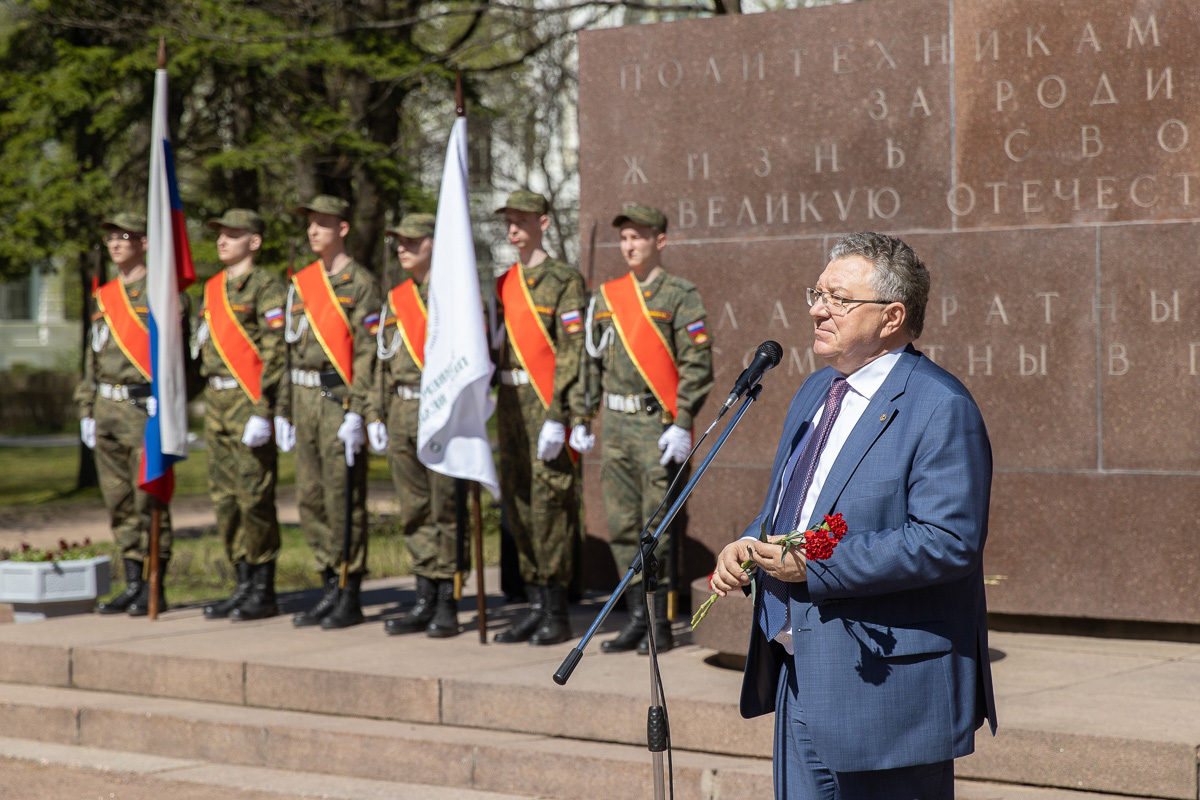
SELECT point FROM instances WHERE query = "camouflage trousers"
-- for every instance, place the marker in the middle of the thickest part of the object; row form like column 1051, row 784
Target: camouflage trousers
column 321, row 482
column 541, row 498
column 119, row 429
column 426, row 498
column 241, row 480
column 633, row 484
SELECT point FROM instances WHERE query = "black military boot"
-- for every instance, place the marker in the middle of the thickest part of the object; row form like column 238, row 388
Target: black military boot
column 140, row 606
column 634, row 630
column 329, row 595
column 133, row 587
column 347, row 610
column 221, row 609
column 555, row 627
column 445, row 617
column 422, row 611
column 664, row 639
column 529, row 623
column 260, row 601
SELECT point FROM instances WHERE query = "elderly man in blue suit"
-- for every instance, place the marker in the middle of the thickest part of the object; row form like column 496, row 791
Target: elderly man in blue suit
column 875, row 659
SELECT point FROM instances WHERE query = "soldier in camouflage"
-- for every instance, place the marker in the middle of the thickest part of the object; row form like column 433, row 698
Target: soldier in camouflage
column 426, row 497
column 242, row 459
column 327, row 414
column 537, row 472
column 644, row 444
column 112, row 408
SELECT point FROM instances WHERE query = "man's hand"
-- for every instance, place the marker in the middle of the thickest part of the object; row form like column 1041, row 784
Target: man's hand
column 729, row 574
column 377, row 435
column 676, row 443
column 87, row 432
column 257, row 432
column 551, row 440
column 285, row 434
column 352, row 435
column 581, row 440
column 769, row 556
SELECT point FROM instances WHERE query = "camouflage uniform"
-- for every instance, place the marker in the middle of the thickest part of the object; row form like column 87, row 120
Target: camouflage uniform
column 242, row 479
column 632, row 480
column 120, row 424
column 317, row 413
column 541, row 498
column 426, row 497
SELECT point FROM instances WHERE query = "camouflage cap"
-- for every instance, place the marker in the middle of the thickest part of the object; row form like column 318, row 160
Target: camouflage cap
column 326, row 204
column 525, row 200
column 125, row 221
column 414, row 226
column 240, row 218
column 642, row 215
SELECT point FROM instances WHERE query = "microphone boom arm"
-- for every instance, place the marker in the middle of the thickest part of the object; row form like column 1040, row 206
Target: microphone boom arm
column 650, row 542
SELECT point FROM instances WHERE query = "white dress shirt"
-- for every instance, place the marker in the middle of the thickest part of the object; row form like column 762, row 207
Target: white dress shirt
column 863, row 384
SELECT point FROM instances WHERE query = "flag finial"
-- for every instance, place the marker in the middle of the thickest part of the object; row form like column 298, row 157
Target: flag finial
column 162, row 52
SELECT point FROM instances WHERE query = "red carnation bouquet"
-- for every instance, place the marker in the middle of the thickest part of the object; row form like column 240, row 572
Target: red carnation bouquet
column 817, row 544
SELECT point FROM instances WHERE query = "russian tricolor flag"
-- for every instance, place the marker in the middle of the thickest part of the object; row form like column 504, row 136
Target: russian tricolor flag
column 169, row 271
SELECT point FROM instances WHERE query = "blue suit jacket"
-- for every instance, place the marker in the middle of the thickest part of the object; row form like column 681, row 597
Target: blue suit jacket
column 890, row 632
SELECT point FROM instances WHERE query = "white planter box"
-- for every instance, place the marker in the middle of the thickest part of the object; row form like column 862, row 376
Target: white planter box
column 38, row 589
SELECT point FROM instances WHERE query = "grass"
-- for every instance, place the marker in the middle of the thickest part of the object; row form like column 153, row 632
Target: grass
column 32, row 476
column 199, row 570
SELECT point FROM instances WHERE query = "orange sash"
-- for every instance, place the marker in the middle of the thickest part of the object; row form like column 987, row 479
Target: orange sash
column 125, row 325
column 528, row 336
column 326, row 318
column 643, row 340
column 232, row 342
column 411, row 317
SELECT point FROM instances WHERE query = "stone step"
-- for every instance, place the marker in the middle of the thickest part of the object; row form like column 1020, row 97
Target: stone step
column 162, row 775
column 74, row 771
column 436, row 755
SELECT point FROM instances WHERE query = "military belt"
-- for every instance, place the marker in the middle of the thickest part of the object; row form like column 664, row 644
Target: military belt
column 632, row 403
column 131, row 392
column 328, row 380
column 514, row 377
column 220, row 382
column 408, row 391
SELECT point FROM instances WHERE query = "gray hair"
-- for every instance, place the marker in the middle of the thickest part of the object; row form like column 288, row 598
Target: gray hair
column 899, row 275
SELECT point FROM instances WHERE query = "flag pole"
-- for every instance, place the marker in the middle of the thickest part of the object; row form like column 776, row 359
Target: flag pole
column 155, row 513
column 460, row 110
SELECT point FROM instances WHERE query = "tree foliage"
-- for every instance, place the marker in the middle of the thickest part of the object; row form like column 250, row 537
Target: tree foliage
column 272, row 101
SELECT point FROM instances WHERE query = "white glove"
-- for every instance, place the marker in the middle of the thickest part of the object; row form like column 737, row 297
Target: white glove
column 377, row 436
column 257, row 432
column 551, row 440
column 675, row 443
column 352, row 434
column 581, row 440
column 285, row 434
column 87, row 432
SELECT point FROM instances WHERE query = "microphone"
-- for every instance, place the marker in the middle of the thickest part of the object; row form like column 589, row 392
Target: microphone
column 768, row 355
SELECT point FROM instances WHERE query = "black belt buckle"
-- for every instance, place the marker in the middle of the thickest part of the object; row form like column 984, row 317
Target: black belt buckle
column 650, row 403
column 139, row 391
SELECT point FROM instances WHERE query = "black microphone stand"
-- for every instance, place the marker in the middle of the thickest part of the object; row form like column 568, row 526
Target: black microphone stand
column 656, row 729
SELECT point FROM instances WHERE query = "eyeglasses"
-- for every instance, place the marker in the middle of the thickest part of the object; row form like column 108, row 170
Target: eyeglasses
column 835, row 302
column 118, row 236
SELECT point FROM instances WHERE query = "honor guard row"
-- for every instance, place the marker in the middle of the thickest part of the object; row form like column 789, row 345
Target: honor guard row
column 304, row 367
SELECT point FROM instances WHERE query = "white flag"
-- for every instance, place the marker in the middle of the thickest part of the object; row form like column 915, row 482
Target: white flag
column 452, row 433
